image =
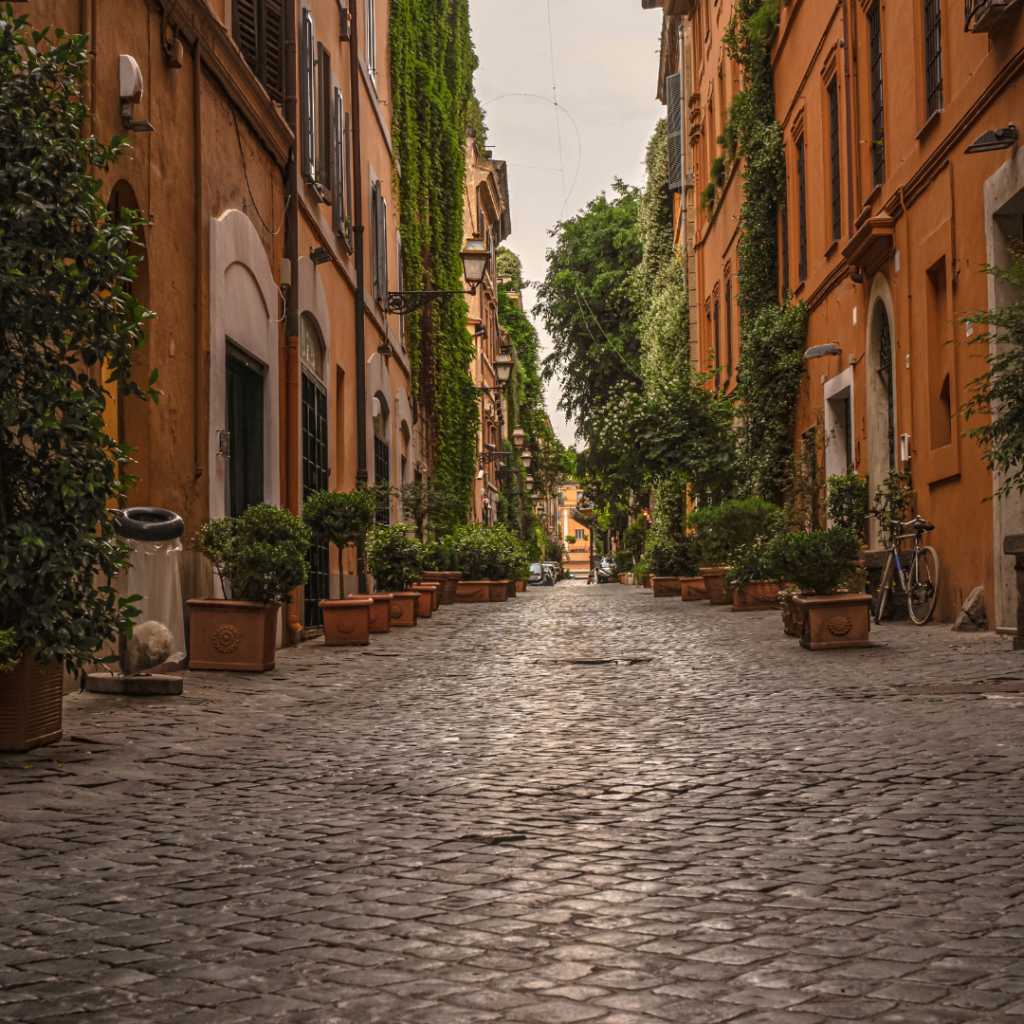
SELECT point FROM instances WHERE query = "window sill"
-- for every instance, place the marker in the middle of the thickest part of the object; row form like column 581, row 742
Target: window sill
column 799, row 288
column 865, row 211
column 930, row 123
column 832, row 248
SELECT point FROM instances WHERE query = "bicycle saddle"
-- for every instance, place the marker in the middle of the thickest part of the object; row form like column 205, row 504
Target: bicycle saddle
column 921, row 524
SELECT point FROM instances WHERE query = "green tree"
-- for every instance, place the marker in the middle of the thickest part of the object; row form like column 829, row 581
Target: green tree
column 69, row 326
column 510, row 266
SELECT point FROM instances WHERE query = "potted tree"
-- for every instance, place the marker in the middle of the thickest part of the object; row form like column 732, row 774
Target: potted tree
column 260, row 558
column 750, row 579
column 396, row 561
column 483, row 555
column 439, row 567
column 69, row 328
column 823, row 566
column 671, row 563
column 342, row 518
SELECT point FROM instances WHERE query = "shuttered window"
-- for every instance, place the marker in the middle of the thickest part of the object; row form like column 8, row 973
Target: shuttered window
column 801, row 173
column 379, row 243
column 784, row 232
column 833, row 137
column 371, row 39
column 259, row 32
column 877, row 104
column 340, row 183
column 325, row 124
column 933, row 53
column 307, row 99
column 674, row 118
column 728, row 329
column 718, row 350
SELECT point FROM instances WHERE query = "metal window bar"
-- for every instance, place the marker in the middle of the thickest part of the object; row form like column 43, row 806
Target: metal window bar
column 728, row 329
column 833, row 131
column 933, row 54
column 315, row 477
column 877, row 104
column 382, row 471
column 801, row 173
column 784, row 230
column 885, row 375
column 718, row 357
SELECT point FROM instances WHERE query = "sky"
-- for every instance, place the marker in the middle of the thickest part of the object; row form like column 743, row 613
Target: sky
column 605, row 75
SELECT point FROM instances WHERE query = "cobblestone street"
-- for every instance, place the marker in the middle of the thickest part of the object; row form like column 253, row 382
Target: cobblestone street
column 582, row 805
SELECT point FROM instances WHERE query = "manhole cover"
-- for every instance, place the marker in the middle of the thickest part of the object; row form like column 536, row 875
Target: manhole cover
column 997, row 684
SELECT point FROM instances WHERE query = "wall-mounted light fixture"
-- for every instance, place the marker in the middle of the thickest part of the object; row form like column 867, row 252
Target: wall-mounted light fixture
column 831, row 349
column 1000, row 138
column 319, row 255
column 129, row 79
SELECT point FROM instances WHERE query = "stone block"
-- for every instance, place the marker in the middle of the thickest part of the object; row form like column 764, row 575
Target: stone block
column 972, row 617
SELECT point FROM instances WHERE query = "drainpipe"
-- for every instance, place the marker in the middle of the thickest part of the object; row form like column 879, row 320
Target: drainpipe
column 849, row 115
column 362, row 476
column 291, row 327
column 202, row 410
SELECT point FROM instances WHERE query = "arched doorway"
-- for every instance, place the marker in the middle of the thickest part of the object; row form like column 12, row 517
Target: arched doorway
column 315, row 468
column 881, row 393
column 382, row 451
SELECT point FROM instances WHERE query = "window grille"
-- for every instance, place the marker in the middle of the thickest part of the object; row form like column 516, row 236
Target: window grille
column 259, row 32
column 833, row 131
column 784, row 231
column 801, row 173
column 877, row 104
column 382, row 471
column 728, row 329
column 315, row 477
column 718, row 356
column 933, row 53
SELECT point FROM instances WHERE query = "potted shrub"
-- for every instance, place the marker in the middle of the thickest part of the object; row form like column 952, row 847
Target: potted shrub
column 427, row 600
column 823, row 566
column 485, row 555
column 750, row 580
column 70, row 329
column 439, row 566
column 396, row 562
column 623, row 561
column 380, row 613
column 671, row 562
column 342, row 518
column 260, row 558
column 642, row 573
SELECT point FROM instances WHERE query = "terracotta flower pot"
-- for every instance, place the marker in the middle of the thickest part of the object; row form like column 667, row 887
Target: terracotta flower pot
column 403, row 607
column 473, row 591
column 840, row 620
column 692, row 588
column 498, row 590
column 232, row 636
column 757, row 595
column 380, row 613
column 511, row 588
column 647, row 583
column 716, row 585
column 347, row 622
column 666, row 586
column 792, row 617
column 425, row 602
column 448, row 580
column 520, row 586
column 31, row 704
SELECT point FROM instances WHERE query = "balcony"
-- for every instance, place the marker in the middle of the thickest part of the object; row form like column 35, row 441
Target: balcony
column 984, row 15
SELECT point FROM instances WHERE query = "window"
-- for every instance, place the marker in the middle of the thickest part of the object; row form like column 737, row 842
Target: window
column 718, row 359
column 728, row 329
column 784, row 231
column 307, row 98
column 801, row 174
column 371, row 39
column 379, row 242
column 933, row 53
column 877, row 106
column 342, row 181
column 674, row 116
column 833, row 136
column 325, row 141
column 259, row 32
column 581, row 534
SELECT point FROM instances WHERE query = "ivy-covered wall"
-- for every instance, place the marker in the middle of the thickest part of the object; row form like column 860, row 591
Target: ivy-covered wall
column 432, row 65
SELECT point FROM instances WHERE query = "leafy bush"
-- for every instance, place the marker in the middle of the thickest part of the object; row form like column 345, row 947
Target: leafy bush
column 339, row 517
column 426, row 502
column 846, row 502
column 818, row 563
column 670, row 557
column 634, row 538
column 623, row 561
column 69, row 328
column 642, row 570
column 394, row 558
column 893, row 499
column 490, row 553
column 439, row 556
column 261, row 556
column 553, row 551
column 753, row 562
column 720, row 531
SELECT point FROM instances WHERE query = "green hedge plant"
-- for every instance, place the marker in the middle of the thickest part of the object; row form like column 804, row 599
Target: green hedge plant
column 394, row 558
column 719, row 532
column 751, row 564
column 261, row 556
column 339, row 517
column 671, row 557
column 846, row 502
column 817, row 564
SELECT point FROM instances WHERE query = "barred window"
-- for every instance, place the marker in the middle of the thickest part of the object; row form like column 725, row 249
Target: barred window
column 801, row 173
column 877, row 104
column 833, row 132
column 933, row 53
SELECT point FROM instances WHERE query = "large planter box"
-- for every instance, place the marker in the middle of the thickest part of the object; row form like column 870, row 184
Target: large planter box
column 841, row 620
column 756, row 596
column 691, row 588
column 792, row 616
column 425, row 603
column 449, row 583
column 716, row 585
column 647, row 583
column 403, row 607
column 666, row 586
column 498, row 590
column 511, row 588
column 232, row 636
column 31, row 704
column 380, row 613
column 520, row 586
column 472, row 591
column 347, row 622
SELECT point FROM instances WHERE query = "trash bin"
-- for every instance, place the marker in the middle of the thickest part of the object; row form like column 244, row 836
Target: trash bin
column 154, row 535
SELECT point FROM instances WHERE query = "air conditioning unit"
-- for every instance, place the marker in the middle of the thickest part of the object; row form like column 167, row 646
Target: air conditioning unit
column 984, row 15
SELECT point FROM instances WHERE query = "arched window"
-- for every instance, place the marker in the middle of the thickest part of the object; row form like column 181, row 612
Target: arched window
column 311, row 347
column 886, row 376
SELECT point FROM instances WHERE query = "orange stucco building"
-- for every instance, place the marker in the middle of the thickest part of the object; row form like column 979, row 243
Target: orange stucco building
column 887, row 225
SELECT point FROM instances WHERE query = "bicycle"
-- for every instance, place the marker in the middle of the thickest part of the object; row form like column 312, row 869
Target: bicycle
column 919, row 580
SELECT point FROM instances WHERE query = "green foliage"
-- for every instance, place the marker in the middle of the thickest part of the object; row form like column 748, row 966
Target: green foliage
column 719, row 532
column 8, row 658
column 395, row 559
column 430, row 502
column 433, row 105
column 439, row 555
column 339, row 517
column 634, row 539
column 510, row 266
column 770, row 374
column 846, row 502
column 893, row 499
column 261, row 556
column 753, row 562
column 999, row 392
column 642, row 571
column 489, row 553
column 819, row 563
column 69, row 328
column 623, row 561
column 670, row 557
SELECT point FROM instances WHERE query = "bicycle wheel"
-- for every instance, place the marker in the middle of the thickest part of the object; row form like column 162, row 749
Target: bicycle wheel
column 924, row 586
column 885, row 585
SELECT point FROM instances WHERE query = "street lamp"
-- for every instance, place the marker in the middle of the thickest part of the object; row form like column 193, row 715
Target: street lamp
column 475, row 258
column 528, row 483
column 518, row 437
column 503, row 368
column 527, row 459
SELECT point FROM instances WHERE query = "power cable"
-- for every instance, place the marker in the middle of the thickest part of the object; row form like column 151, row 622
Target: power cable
column 245, row 171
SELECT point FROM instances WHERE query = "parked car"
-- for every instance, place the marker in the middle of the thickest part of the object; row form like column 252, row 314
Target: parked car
column 540, row 575
column 555, row 569
column 605, row 571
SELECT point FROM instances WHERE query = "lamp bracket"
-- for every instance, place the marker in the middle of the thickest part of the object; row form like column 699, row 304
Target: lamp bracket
column 408, row 302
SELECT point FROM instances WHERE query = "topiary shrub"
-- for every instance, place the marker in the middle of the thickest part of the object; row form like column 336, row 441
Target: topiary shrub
column 394, row 558
column 819, row 563
column 339, row 517
column 261, row 556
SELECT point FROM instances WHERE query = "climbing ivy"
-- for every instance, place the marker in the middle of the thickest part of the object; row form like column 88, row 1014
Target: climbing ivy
column 432, row 65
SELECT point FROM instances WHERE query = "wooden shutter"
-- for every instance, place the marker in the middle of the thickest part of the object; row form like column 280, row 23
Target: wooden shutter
column 674, row 99
column 382, row 245
column 325, row 124
column 348, row 184
column 374, row 243
column 338, row 181
column 306, row 98
column 273, row 37
column 247, row 33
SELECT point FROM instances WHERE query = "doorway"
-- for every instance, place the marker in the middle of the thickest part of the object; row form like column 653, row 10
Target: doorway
column 245, row 430
column 315, row 468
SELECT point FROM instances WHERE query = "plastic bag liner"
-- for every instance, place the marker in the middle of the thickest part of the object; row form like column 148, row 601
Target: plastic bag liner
column 155, row 575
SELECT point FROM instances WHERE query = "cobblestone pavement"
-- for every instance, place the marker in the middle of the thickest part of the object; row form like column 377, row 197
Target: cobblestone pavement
column 582, row 805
